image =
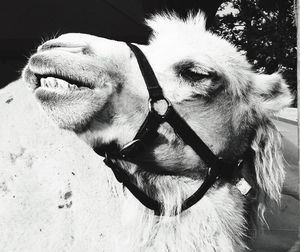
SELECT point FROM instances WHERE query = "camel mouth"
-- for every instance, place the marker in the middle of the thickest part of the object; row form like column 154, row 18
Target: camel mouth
column 59, row 83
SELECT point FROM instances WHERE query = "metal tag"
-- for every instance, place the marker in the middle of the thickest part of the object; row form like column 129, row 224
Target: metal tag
column 243, row 186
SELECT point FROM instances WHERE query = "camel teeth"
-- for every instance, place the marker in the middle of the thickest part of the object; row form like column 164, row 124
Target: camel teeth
column 50, row 82
column 83, row 88
column 56, row 83
column 62, row 84
column 72, row 86
column 43, row 82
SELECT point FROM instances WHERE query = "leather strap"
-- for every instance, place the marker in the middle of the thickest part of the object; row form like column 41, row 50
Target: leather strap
column 124, row 178
column 154, row 89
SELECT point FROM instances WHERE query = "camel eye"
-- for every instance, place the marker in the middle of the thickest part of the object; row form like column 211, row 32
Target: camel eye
column 193, row 76
column 190, row 72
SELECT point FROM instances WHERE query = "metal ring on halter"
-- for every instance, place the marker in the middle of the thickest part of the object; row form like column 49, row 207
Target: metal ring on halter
column 152, row 108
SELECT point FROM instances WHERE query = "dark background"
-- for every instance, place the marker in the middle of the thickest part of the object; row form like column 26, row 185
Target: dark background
column 25, row 24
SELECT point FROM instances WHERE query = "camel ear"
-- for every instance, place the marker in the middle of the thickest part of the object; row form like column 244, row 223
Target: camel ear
column 274, row 95
column 273, row 92
column 268, row 161
column 268, row 166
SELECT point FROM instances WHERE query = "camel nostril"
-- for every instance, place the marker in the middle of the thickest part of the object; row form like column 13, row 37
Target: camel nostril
column 61, row 46
column 48, row 46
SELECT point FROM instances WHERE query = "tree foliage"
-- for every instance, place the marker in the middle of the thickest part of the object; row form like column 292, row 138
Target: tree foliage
column 265, row 31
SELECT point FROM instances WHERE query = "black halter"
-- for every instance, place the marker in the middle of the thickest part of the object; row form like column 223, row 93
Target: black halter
column 147, row 133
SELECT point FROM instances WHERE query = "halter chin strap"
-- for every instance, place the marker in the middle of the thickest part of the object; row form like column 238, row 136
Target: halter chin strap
column 147, row 133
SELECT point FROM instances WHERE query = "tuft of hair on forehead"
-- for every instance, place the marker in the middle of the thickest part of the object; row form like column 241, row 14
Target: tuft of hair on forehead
column 170, row 23
column 191, row 38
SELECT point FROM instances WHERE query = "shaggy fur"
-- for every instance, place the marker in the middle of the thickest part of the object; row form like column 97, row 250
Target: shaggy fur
column 213, row 88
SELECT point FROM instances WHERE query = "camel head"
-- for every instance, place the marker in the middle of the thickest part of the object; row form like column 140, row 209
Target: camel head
column 94, row 87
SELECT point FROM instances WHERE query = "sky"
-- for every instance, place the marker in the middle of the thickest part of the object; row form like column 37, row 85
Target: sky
column 227, row 9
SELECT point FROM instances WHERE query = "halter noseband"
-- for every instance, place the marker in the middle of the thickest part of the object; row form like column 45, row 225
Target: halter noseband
column 147, row 133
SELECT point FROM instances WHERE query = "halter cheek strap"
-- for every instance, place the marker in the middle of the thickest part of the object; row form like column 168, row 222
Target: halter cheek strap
column 147, row 133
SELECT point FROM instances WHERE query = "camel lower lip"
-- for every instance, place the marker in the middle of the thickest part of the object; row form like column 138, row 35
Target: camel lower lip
column 61, row 90
column 59, row 95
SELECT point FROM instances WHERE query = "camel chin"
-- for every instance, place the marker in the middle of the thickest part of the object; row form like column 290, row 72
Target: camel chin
column 58, row 103
column 59, row 106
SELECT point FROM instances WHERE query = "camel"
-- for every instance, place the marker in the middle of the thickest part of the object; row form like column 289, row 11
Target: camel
column 94, row 87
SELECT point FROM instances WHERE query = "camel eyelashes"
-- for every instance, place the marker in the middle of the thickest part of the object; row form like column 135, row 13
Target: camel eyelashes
column 193, row 76
column 191, row 72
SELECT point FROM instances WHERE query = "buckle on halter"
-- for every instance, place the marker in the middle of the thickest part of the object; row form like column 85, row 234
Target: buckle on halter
column 134, row 145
